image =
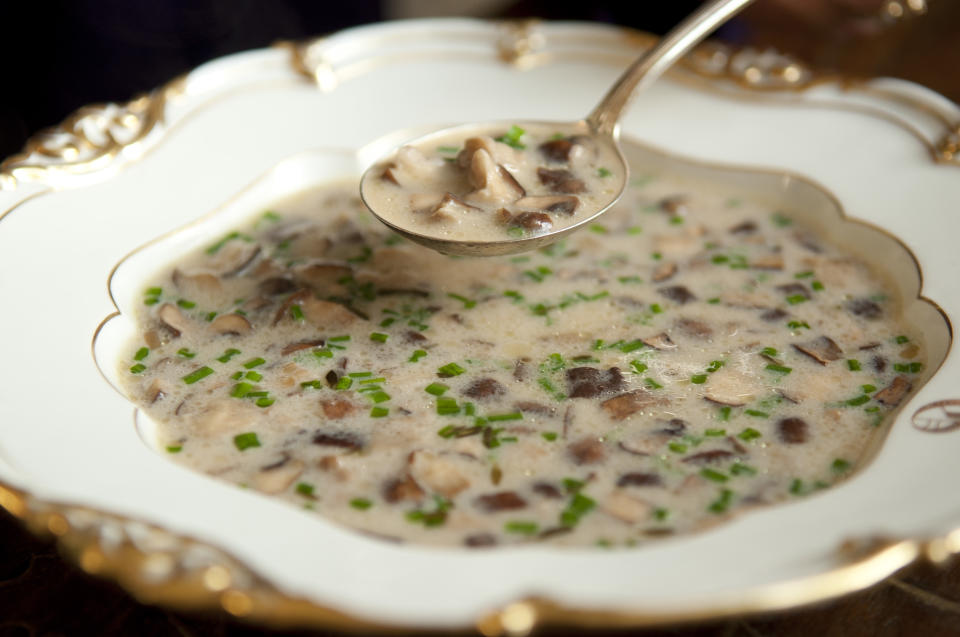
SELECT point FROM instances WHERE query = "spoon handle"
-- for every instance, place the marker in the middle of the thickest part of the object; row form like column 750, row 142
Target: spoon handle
column 652, row 64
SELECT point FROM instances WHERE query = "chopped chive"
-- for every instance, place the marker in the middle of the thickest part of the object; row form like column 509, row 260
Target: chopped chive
column 467, row 303
column 141, row 354
column 549, row 436
column 379, row 412
column 448, row 149
column 579, row 506
column 817, row 285
column 185, row 353
column 153, row 292
column 840, row 465
column 652, row 384
column 677, row 447
column 909, row 368
column 868, row 388
column 258, row 394
column 515, row 232
column 806, row 274
column 449, row 370
column 796, row 487
column 512, row 137
column 360, row 374
column 447, row 406
column 236, row 376
column 660, row 514
column 698, row 379
column 749, row 434
column 379, row 337
column 338, row 339
column 304, row 488
column 521, row 528
column 210, row 316
column 343, row 383
column 780, row 369
column 715, row 432
column 900, row 340
column 361, row 504
column 174, row 449
column 266, row 401
column 796, row 325
column 598, row 228
column 254, row 362
column 136, row 369
column 722, row 503
column 151, row 300
column 501, row 417
column 227, row 355
column 715, row 476
column 856, row 402
column 296, row 312
column 756, row 413
column 379, row 396
column 199, row 374
column 714, row 366
column 655, row 308
column 638, row 367
column 781, row 220
column 676, row 220
column 437, row 389
column 740, row 469
column 794, row 299
column 240, row 390
column 629, row 279
column 372, row 381
column 246, row 441
column 603, row 172
column 714, row 301
column 769, row 351
column 723, row 413
column 185, row 304
column 853, row 365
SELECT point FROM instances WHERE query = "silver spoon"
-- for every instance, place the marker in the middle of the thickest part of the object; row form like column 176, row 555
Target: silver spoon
column 601, row 125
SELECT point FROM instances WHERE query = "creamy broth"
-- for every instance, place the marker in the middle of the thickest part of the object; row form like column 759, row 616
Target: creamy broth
column 695, row 354
column 491, row 185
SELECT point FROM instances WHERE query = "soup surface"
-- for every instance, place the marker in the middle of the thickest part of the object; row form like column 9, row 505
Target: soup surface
column 494, row 185
column 697, row 353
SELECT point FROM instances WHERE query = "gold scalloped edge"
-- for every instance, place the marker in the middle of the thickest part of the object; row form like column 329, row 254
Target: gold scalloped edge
column 159, row 567
column 96, row 540
column 90, row 139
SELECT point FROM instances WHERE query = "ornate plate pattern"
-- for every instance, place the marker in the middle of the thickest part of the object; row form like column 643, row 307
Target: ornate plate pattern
column 115, row 176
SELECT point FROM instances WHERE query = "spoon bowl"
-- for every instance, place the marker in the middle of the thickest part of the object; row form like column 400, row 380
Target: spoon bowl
column 439, row 222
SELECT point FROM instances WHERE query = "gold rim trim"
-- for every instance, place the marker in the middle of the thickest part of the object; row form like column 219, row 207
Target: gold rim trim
column 93, row 137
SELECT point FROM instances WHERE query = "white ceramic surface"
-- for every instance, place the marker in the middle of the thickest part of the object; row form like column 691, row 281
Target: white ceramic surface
column 67, row 436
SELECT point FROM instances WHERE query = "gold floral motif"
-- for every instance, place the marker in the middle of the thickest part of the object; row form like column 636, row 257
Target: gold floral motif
column 89, row 140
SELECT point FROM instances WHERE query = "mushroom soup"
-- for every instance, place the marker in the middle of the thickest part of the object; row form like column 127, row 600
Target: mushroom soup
column 694, row 355
column 494, row 184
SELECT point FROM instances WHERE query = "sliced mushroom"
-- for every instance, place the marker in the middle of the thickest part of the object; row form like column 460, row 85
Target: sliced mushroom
column 301, row 345
column 500, row 501
column 158, row 390
column 336, row 408
column 339, row 439
column 678, row 294
column 532, row 221
column 675, row 205
column 557, row 150
column 480, row 540
column 277, row 479
column 547, row 490
column 822, row 349
column 745, row 227
column 233, row 258
column 324, row 276
column 561, row 180
column 767, row 262
column 709, row 457
column 402, row 489
column 664, row 271
column 275, row 286
column 639, row 446
column 775, row 314
column 864, row 308
column 731, row 388
column 231, row 324
column 794, row 289
column 493, row 184
column 637, row 479
column 198, row 285
column 560, row 204
column 327, row 314
column 224, row 417
column 437, row 474
column 451, row 208
column 892, row 394
column 792, row 430
column 484, row 388
column 500, row 153
column 587, row 451
column 590, row 382
column 625, row 405
column 625, row 507
column 694, row 328
column 659, row 341
column 173, row 319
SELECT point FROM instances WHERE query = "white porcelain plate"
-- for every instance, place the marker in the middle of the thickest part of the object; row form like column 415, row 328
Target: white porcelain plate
column 234, row 134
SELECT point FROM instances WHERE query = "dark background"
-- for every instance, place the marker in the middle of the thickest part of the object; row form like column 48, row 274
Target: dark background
column 57, row 56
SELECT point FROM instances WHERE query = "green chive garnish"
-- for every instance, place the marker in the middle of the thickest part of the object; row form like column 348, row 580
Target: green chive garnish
column 199, row 374
column 437, row 389
column 136, row 369
column 749, row 434
column 698, row 379
column 246, row 441
column 840, row 465
column 521, row 528
column 716, row 476
column 449, row 370
column 379, row 412
column 240, row 390
column 853, row 365
column 417, row 355
column 304, row 488
column 344, row 383
column 254, row 362
column 715, row 432
column 722, row 503
column 500, row 417
column 549, row 436
column 174, row 449
column 141, row 354
column 379, row 337
column 361, row 504
column 859, row 400
column 227, row 355
column 265, row 401
column 780, row 369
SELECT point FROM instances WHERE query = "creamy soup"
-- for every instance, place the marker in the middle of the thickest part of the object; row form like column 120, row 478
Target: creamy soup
column 492, row 185
column 696, row 354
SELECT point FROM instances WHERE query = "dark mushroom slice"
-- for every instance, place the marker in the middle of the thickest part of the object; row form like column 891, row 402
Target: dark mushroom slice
column 822, row 349
column 233, row 324
column 879, row 363
column 659, row 341
column 744, row 227
column 767, row 262
column 559, row 204
column 332, row 378
column 694, row 328
column 390, row 174
column 775, row 314
column 323, row 276
column 892, row 394
column 278, row 477
column 678, row 294
column 533, row 221
column 493, row 182
column 547, row 490
column 484, row 388
column 808, row 240
column 173, row 319
column 794, row 289
column 625, row 405
column 339, row 439
column 587, row 451
column 864, row 308
column 663, row 271
column 709, row 457
column 675, row 205
column 792, row 431
column 637, row 446
column 556, row 150
column 402, row 489
column 590, row 382
column 480, row 540
column 673, row 427
column 337, row 408
column 500, row 501
column 451, row 207
column 561, row 180
column 234, row 257
column 301, row 345
column 276, row 286
column 528, row 406
column 638, row 479
column 296, row 298
column 412, row 336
